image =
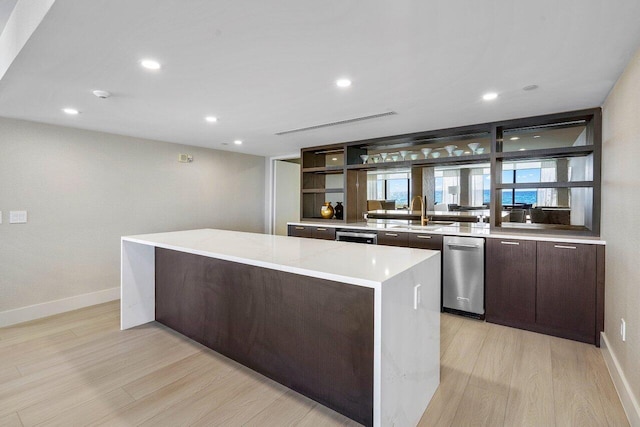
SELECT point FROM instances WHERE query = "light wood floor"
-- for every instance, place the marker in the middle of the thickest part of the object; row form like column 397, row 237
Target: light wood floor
column 78, row 369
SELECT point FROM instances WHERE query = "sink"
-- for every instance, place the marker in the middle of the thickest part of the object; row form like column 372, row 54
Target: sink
column 430, row 226
column 441, row 223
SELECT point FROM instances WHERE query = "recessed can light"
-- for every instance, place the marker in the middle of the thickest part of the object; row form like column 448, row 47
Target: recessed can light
column 238, row 142
column 522, row 149
column 514, row 138
column 335, row 159
column 343, row 82
column 71, row 111
column 536, row 136
column 211, row 119
column 490, row 96
column 150, row 64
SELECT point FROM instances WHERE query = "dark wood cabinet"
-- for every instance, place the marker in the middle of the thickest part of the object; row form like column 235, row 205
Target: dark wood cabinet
column 300, row 231
column 510, row 289
column 393, row 238
column 549, row 287
column 425, row 241
column 324, row 233
column 566, row 289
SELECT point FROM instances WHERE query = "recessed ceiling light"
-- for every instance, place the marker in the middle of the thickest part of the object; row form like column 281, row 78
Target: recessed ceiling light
column 343, row 82
column 536, row 136
column 514, row 138
column 490, row 96
column 150, row 64
column 71, row 111
column 211, row 119
column 522, row 149
column 102, row 94
column 238, row 142
column 467, row 152
column 530, row 87
column 335, row 159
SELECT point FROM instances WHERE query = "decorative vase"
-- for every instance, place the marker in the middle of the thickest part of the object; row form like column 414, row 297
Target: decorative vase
column 339, row 210
column 326, row 211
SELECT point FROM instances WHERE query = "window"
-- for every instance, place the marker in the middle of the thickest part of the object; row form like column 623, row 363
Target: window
column 389, row 186
column 447, row 184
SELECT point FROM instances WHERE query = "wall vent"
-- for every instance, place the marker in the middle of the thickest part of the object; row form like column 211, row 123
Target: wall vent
column 340, row 122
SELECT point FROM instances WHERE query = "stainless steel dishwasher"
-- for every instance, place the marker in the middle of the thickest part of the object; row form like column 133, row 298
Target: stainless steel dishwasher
column 463, row 275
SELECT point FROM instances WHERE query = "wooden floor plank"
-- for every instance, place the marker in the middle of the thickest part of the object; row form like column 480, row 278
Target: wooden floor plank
column 611, row 405
column 575, row 394
column 480, row 406
column 91, row 410
column 10, row 420
column 531, row 402
column 169, row 395
column 288, row 409
column 449, row 325
column 455, row 370
column 494, row 366
column 117, row 371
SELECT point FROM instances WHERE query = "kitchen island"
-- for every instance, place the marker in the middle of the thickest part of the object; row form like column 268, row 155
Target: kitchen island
column 354, row 327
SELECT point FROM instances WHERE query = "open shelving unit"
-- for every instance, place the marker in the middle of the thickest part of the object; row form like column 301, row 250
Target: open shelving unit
column 337, row 172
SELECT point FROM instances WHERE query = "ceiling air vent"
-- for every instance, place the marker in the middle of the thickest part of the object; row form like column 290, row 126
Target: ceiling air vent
column 340, row 122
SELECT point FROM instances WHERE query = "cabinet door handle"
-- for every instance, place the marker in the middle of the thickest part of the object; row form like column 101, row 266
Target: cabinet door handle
column 422, row 237
column 391, row 234
column 321, row 229
column 564, row 247
column 299, row 228
column 511, row 243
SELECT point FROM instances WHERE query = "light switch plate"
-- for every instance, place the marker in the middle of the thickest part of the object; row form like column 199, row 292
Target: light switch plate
column 17, row 217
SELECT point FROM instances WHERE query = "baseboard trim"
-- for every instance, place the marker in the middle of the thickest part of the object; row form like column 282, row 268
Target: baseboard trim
column 45, row 309
column 629, row 401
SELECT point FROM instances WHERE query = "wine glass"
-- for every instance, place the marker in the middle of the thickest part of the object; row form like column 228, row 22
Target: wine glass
column 413, row 156
column 426, row 152
column 450, row 149
column 474, row 146
column 383, row 156
column 458, row 152
column 394, row 157
column 480, row 150
column 403, row 154
column 435, row 154
column 364, row 158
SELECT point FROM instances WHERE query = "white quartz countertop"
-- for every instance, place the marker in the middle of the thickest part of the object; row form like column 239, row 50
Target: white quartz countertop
column 353, row 263
column 452, row 229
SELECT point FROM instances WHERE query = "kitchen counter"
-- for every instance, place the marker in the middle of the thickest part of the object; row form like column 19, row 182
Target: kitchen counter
column 265, row 300
column 469, row 229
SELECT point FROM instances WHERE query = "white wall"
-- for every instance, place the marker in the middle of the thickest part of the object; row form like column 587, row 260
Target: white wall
column 287, row 195
column 83, row 190
column 620, row 225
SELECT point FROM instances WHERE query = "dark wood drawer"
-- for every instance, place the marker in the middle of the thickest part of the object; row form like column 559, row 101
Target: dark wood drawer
column 300, row 231
column 425, row 241
column 393, row 238
column 325, row 233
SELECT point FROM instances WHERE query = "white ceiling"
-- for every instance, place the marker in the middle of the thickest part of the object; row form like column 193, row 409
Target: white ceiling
column 268, row 66
column 6, row 7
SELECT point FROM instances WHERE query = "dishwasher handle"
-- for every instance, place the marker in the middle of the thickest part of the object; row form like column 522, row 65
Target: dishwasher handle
column 462, row 245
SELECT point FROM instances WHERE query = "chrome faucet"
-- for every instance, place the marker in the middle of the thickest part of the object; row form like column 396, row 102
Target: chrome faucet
column 418, row 200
